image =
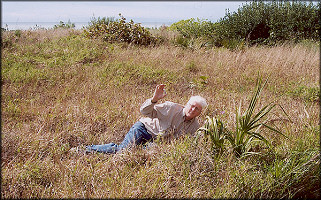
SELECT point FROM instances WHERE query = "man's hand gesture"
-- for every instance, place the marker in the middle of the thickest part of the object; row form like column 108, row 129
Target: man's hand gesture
column 159, row 93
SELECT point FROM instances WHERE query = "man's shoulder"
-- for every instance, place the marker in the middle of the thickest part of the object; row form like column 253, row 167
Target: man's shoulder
column 172, row 104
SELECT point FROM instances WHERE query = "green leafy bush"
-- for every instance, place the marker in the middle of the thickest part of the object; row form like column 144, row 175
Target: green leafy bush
column 294, row 21
column 260, row 22
column 194, row 28
column 255, row 23
column 120, row 31
column 194, row 32
column 64, row 25
column 94, row 23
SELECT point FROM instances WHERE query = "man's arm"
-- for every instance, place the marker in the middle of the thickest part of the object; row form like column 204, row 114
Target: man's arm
column 147, row 108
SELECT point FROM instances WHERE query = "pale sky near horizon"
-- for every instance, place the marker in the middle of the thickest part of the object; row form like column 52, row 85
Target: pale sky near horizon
column 139, row 11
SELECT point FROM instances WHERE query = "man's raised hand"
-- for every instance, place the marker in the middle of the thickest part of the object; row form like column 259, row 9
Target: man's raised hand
column 159, row 93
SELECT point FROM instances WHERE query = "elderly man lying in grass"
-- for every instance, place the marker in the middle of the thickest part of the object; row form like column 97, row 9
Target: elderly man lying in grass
column 161, row 120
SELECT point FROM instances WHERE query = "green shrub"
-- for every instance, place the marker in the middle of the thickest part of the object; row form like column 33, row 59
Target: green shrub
column 99, row 21
column 265, row 23
column 181, row 41
column 232, row 44
column 17, row 33
column 64, row 25
column 192, row 28
column 120, row 31
column 294, row 21
column 194, row 32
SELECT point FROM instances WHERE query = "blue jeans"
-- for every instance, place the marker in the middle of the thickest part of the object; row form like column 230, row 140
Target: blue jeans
column 136, row 135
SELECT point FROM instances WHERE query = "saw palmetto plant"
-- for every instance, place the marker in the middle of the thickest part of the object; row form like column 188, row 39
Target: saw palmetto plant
column 248, row 124
column 215, row 130
column 247, row 130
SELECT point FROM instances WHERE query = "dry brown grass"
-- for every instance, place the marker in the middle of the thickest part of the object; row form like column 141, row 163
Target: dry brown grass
column 94, row 95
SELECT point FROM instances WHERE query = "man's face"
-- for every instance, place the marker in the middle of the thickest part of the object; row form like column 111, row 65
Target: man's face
column 192, row 110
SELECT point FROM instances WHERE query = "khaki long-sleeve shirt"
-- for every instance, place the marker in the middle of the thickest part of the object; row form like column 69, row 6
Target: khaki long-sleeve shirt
column 166, row 119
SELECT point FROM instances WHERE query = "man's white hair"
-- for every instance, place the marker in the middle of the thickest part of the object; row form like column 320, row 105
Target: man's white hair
column 199, row 100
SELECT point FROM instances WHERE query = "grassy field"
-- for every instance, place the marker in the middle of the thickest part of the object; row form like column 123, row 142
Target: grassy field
column 61, row 90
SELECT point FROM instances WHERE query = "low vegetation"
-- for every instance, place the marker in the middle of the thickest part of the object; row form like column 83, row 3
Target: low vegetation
column 64, row 88
column 119, row 30
column 254, row 23
column 64, row 25
column 61, row 89
column 271, row 22
column 247, row 130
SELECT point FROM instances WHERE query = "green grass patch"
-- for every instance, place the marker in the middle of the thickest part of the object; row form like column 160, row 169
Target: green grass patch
column 121, row 74
column 308, row 94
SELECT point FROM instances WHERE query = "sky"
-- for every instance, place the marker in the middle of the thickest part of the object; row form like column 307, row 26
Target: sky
column 138, row 11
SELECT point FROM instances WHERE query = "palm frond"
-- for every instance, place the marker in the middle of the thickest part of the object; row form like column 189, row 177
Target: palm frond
column 275, row 130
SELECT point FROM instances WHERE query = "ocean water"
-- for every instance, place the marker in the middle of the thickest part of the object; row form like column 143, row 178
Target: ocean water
column 78, row 25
